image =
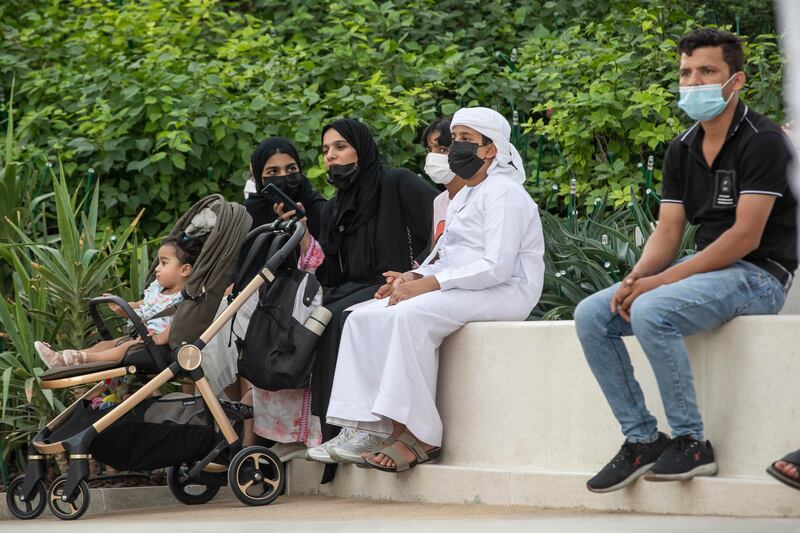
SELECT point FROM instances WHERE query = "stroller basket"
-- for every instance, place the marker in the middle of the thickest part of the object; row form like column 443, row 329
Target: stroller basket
column 157, row 433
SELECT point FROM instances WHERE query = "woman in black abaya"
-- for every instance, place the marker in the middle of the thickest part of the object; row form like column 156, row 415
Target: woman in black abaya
column 379, row 221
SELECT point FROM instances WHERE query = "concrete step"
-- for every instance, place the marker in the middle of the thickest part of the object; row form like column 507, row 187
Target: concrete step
column 526, row 424
column 717, row 496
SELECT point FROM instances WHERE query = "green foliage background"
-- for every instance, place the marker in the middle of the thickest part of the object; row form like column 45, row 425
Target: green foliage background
column 166, row 99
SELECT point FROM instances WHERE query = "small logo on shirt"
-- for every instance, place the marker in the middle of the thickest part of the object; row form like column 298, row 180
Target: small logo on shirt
column 725, row 194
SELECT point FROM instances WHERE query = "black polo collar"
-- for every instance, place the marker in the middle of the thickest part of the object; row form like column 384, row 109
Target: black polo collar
column 739, row 116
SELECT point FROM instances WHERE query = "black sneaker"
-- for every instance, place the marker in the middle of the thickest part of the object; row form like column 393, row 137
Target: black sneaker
column 631, row 461
column 685, row 458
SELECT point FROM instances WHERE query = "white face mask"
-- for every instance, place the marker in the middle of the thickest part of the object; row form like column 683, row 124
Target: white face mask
column 249, row 188
column 437, row 167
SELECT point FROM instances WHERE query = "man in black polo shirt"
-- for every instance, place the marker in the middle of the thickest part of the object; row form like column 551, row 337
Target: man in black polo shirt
column 728, row 174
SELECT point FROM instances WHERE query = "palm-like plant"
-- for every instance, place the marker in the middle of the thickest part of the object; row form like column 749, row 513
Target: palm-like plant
column 52, row 285
column 586, row 255
column 53, row 273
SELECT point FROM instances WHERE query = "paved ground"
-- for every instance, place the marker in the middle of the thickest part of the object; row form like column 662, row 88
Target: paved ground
column 331, row 515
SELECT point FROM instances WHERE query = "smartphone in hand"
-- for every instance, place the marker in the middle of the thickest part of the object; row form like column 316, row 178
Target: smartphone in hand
column 280, row 197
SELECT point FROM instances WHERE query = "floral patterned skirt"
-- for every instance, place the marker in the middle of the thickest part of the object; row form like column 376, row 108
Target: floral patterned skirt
column 285, row 416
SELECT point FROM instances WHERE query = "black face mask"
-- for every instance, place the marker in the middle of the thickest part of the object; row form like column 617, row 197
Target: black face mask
column 342, row 176
column 293, row 182
column 463, row 159
column 289, row 184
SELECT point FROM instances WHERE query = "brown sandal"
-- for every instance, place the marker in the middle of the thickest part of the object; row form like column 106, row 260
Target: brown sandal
column 401, row 463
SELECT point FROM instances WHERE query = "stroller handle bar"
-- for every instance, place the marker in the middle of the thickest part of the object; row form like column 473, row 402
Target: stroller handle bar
column 253, row 258
column 275, row 225
column 298, row 230
column 135, row 319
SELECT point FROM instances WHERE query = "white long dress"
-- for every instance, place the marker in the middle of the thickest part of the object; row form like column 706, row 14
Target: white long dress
column 490, row 268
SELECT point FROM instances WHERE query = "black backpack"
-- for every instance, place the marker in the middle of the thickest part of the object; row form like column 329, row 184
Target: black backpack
column 278, row 349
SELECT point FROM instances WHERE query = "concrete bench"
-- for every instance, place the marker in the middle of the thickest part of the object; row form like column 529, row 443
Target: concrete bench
column 526, row 424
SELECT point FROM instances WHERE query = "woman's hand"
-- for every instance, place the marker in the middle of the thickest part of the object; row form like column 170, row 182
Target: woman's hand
column 286, row 215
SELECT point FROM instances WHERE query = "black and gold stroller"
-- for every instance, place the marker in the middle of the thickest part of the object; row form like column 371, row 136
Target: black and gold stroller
column 191, row 436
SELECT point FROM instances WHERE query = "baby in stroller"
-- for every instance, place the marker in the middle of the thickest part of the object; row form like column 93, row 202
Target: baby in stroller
column 176, row 258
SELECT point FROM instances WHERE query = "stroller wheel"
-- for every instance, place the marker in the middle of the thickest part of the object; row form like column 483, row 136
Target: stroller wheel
column 256, row 476
column 188, row 491
column 71, row 508
column 22, row 508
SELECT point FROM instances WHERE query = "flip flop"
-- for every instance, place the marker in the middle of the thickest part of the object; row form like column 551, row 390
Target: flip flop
column 401, row 463
column 792, row 458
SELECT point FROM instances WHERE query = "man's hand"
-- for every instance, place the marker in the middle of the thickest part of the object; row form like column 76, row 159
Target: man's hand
column 410, row 289
column 393, row 280
column 637, row 288
column 623, row 291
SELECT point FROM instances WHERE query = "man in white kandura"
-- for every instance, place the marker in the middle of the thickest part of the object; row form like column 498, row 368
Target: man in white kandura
column 486, row 266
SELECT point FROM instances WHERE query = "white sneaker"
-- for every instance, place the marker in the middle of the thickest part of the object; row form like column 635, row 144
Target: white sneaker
column 286, row 451
column 322, row 452
column 350, row 451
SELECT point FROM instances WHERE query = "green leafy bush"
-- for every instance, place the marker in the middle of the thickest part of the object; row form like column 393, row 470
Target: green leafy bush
column 165, row 100
column 611, row 86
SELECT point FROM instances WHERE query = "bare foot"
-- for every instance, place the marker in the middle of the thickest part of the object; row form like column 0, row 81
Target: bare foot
column 788, row 469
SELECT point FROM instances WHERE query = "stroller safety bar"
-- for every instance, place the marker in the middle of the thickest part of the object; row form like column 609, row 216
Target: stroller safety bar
column 141, row 329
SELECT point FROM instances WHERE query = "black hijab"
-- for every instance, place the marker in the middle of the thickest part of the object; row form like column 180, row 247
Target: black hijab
column 266, row 149
column 355, row 206
column 260, row 206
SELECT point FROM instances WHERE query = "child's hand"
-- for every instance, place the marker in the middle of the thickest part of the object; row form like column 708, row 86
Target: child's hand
column 117, row 310
column 161, row 338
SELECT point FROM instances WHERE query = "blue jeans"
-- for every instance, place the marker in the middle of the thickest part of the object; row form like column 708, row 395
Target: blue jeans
column 660, row 319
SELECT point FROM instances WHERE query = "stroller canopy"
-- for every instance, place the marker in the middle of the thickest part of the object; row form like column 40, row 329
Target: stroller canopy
column 213, row 271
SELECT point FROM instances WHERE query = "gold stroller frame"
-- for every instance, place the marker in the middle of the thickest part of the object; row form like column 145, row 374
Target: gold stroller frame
column 68, row 496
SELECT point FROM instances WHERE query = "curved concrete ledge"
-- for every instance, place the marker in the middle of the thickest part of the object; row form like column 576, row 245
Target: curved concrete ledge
column 526, row 423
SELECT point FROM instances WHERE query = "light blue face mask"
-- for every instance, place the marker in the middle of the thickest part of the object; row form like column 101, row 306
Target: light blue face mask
column 703, row 102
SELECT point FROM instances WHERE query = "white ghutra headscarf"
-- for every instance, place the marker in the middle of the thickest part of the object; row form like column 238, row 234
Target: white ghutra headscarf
column 489, row 122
